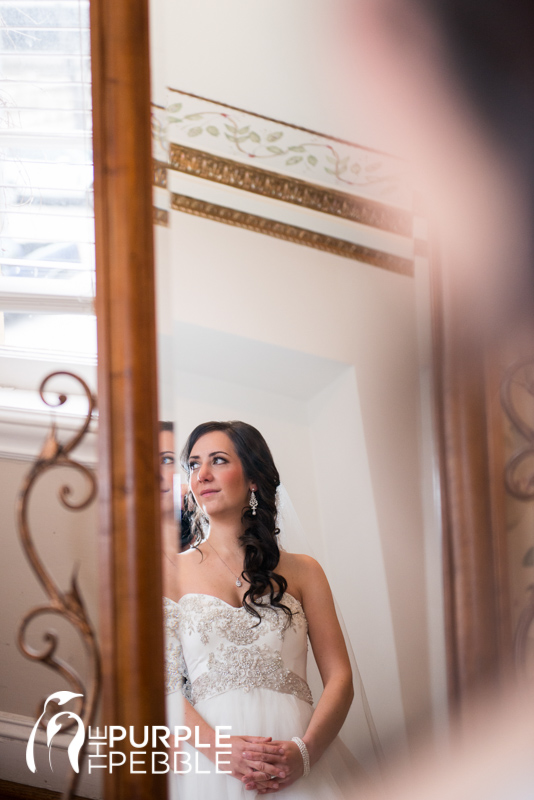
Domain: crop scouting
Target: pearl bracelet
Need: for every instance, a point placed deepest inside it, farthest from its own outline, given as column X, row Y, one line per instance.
column 304, row 753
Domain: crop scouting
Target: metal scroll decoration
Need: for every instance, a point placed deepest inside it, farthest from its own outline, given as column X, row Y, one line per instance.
column 519, row 477
column 67, row 604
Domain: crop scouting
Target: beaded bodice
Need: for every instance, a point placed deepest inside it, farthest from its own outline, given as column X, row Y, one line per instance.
column 213, row 647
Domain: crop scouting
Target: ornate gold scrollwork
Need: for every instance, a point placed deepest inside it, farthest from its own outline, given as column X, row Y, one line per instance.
column 67, row 604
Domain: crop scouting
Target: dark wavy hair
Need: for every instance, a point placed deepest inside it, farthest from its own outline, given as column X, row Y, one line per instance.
column 259, row 541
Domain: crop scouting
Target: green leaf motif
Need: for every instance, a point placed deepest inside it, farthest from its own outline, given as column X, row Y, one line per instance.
column 312, row 160
column 293, row 160
column 213, row 130
column 297, row 148
column 195, row 131
column 253, row 136
column 174, row 108
column 330, row 171
column 193, row 116
column 236, row 139
column 355, row 168
column 241, row 131
column 175, row 119
column 273, row 137
column 231, row 128
column 276, row 150
column 528, row 558
column 331, row 160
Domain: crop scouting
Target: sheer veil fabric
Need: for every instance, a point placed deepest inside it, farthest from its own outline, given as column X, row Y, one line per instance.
column 359, row 730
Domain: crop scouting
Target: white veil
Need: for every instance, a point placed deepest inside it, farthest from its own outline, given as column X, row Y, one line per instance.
column 359, row 731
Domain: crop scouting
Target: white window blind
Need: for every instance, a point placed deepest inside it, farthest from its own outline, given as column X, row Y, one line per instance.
column 46, row 195
column 47, row 320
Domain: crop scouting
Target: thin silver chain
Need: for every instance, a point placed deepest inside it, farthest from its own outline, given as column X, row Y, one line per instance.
column 237, row 581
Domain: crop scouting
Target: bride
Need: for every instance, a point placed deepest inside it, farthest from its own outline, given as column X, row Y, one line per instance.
column 238, row 614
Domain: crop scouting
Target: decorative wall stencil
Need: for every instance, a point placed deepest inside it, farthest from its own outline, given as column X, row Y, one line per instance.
column 283, row 148
column 207, row 144
column 67, row 604
column 291, row 233
column 160, row 143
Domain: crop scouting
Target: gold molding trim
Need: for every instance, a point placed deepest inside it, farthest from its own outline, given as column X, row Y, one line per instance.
column 290, row 190
column 291, row 233
column 160, row 216
column 159, row 174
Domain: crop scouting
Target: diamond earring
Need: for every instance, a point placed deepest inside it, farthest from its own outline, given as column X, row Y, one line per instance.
column 253, row 502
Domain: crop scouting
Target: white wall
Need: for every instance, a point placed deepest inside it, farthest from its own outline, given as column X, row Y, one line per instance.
column 282, row 60
column 353, row 550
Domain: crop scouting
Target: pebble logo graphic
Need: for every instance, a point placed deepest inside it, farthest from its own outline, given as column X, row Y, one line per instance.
column 53, row 727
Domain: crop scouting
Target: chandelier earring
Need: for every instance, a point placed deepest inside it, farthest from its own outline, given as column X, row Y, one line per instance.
column 253, row 502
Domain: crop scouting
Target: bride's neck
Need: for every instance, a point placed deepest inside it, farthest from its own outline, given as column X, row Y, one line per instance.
column 225, row 534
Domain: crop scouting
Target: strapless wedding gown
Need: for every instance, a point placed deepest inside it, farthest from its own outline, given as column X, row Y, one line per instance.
column 251, row 678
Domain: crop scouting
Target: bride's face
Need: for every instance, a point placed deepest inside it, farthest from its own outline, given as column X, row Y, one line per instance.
column 216, row 475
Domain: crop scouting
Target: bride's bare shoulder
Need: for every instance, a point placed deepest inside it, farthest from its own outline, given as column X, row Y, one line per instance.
column 177, row 570
column 301, row 573
column 298, row 565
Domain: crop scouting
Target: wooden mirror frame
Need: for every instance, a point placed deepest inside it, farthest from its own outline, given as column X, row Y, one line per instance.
column 130, row 566
column 471, row 459
column 470, row 437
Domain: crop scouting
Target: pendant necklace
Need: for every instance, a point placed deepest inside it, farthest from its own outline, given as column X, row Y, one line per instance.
column 237, row 581
column 169, row 559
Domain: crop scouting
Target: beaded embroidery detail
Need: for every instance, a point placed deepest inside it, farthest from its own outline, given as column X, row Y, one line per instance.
column 248, row 668
column 176, row 674
column 236, row 624
column 241, row 664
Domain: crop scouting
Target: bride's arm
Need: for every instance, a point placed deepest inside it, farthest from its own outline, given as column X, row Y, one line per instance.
column 332, row 659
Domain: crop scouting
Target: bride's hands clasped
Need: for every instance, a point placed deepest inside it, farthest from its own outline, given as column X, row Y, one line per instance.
column 254, row 755
column 293, row 769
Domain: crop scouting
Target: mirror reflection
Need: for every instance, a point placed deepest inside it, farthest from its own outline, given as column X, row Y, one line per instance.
column 289, row 298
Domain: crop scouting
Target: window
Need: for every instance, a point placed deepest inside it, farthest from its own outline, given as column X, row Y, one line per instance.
column 46, row 195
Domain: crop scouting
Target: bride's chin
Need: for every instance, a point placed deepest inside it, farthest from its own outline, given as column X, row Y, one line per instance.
column 213, row 511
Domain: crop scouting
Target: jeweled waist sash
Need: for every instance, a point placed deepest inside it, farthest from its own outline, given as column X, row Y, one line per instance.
column 246, row 668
